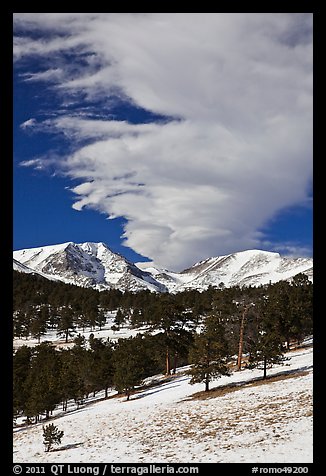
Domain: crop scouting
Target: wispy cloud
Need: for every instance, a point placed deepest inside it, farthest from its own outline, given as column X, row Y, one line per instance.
column 291, row 249
column 239, row 87
column 29, row 124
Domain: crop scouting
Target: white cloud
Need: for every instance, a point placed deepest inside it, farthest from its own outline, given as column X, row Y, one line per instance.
column 290, row 249
column 240, row 89
column 30, row 123
column 52, row 74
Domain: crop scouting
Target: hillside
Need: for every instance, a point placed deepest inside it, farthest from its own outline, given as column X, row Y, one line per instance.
column 245, row 268
column 253, row 421
column 87, row 264
column 95, row 265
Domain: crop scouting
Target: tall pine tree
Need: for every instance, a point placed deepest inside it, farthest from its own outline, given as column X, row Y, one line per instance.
column 128, row 360
column 21, row 369
column 43, row 381
column 66, row 325
column 209, row 353
column 266, row 346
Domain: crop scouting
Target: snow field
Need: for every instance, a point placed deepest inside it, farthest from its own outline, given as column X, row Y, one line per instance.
column 106, row 332
column 268, row 422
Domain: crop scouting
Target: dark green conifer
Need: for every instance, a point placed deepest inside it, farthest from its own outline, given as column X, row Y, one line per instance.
column 66, row 325
column 266, row 347
column 43, row 382
column 128, row 361
column 51, row 436
column 209, row 353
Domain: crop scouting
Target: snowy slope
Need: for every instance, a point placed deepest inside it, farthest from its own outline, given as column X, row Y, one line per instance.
column 94, row 264
column 17, row 266
column 266, row 423
column 251, row 267
column 106, row 332
column 21, row 268
column 87, row 264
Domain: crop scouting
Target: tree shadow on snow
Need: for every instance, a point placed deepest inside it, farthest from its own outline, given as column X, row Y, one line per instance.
column 233, row 386
column 68, row 447
column 160, row 389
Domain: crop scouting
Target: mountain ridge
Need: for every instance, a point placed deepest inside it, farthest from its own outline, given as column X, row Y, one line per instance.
column 94, row 265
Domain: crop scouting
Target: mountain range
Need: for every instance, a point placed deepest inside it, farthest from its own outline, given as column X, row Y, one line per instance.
column 95, row 265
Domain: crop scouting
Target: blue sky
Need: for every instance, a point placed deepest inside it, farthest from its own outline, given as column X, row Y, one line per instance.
column 169, row 136
column 43, row 212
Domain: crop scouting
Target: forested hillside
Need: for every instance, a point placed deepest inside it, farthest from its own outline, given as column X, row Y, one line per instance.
column 254, row 325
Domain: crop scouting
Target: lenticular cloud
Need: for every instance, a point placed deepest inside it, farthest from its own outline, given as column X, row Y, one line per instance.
column 234, row 149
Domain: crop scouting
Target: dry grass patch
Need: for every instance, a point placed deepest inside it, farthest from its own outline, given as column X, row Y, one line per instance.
column 234, row 387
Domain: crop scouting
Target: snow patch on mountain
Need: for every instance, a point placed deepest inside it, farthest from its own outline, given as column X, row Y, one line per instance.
column 95, row 265
column 87, row 264
column 245, row 268
column 21, row 268
column 17, row 266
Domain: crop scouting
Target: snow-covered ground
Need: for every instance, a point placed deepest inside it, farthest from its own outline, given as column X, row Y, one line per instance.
column 124, row 332
column 268, row 422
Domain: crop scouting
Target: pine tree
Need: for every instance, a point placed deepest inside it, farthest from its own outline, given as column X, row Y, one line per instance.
column 91, row 316
column 119, row 319
column 137, row 318
column 85, row 367
column 101, row 318
column 102, row 364
column 27, row 319
column 38, row 326
column 266, row 347
column 70, row 381
column 51, row 436
column 54, row 317
column 20, row 324
column 167, row 316
column 43, row 382
column 128, row 364
column 209, row 353
column 21, row 369
column 301, row 299
column 66, row 325
column 278, row 305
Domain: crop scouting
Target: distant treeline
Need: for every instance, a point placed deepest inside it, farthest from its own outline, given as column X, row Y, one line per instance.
column 40, row 304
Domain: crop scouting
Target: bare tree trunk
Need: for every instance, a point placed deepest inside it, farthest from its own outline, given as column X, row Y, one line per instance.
column 242, row 325
column 265, row 367
column 175, row 362
column 168, row 367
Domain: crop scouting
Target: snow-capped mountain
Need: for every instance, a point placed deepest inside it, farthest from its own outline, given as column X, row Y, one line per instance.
column 95, row 265
column 87, row 264
column 17, row 266
column 245, row 268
